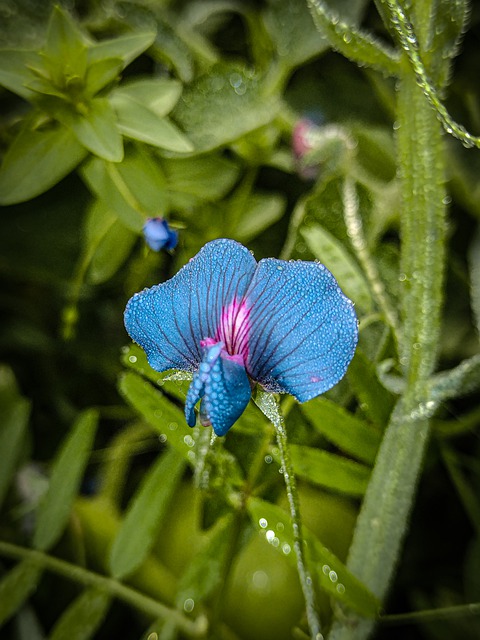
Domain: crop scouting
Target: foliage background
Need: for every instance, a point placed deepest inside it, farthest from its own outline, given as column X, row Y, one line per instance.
column 78, row 414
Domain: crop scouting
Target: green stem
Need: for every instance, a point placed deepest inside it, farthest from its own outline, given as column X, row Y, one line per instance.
column 427, row 615
column 152, row 608
column 270, row 407
column 409, row 42
column 354, row 225
column 383, row 519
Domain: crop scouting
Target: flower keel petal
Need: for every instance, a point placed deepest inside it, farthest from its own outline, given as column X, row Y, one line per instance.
column 223, row 386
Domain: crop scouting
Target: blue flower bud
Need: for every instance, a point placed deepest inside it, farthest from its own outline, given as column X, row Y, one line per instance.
column 158, row 234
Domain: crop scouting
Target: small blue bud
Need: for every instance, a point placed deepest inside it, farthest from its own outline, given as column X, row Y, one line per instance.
column 158, row 234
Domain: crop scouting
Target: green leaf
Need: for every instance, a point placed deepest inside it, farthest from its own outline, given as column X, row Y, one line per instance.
column 14, row 415
column 189, row 180
column 353, row 43
column 274, row 523
column 338, row 260
column 349, row 433
column 15, row 72
column 36, row 161
column 205, row 573
column 159, row 95
column 222, row 106
column 107, row 243
column 96, row 129
column 375, row 401
column 16, row 586
column 133, row 189
column 100, row 74
column 83, row 617
column 137, row 121
column 261, row 211
column 65, row 51
column 149, row 506
column 160, row 413
column 474, row 267
column 127, row 48
column 66, row 476
column 329, row 470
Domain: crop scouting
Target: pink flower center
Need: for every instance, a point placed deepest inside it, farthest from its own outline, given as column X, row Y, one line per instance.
column 233, row 330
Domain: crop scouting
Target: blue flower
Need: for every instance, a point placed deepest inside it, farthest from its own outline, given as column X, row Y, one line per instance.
column 158, row 234
column 234, row 322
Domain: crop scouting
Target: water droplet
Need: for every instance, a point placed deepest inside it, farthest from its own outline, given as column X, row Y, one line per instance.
column 333, row 576
column 447, row 200
column 189, row 441
column 286, row 548
column 173, row 426
column 268, row 459
column 280, row 527
column 340, row 588
column 153, row 636
column 263, row 523
column 132, row 359
column 261, row 581
column 402, row 277
column 158, row 413
column 270, row 535
column 326, row 569
column 188, row 605
column 163, row 438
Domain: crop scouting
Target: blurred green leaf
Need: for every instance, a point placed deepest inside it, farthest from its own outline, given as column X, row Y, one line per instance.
column 260, row 212
column 190, row 179
column 137, row 121
column 36, row 161
column 27, row 624
column 349, row 433
column 83, row 617
column 127, row 48
column 14, row 415
column 65, row 50
column 65, row 478
column 149, row 507
column 222, row 106
column 107, row 243
column 474, row 267
column 160, row 413
column 133, row 189
column 273, row 522
column 16, row 586
column 101, row 73
column 338, row 260
column 15, row 72
column 159, row 95
column 375, row 401
column 205, row 573
column 329, row 470
column 96, row 129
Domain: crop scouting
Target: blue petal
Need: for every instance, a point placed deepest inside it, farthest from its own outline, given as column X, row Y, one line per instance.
column 223, row 386
column 303, row 329
column 169, row 320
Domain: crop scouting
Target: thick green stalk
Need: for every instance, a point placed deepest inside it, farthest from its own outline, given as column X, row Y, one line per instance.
column 383, row 520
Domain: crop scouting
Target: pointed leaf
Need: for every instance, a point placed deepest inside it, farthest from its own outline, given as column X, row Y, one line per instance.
column 148, row 507
column 160, row 413
column 16, row 586
column 134, row 189
column 127, row 48
column 349, row 433
column 336, row 258
column 159, row 95
column 101, row 73
column 108, row 242
column 474, row 267
column 15, row 72
column 66, row 476
column 137, row 121
column 457, row 382
column 65, row 49
column 83, row 617
column 13, row 427
column 36, row 161
column 96, row 129
column 273, row 522
column 329, row 470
